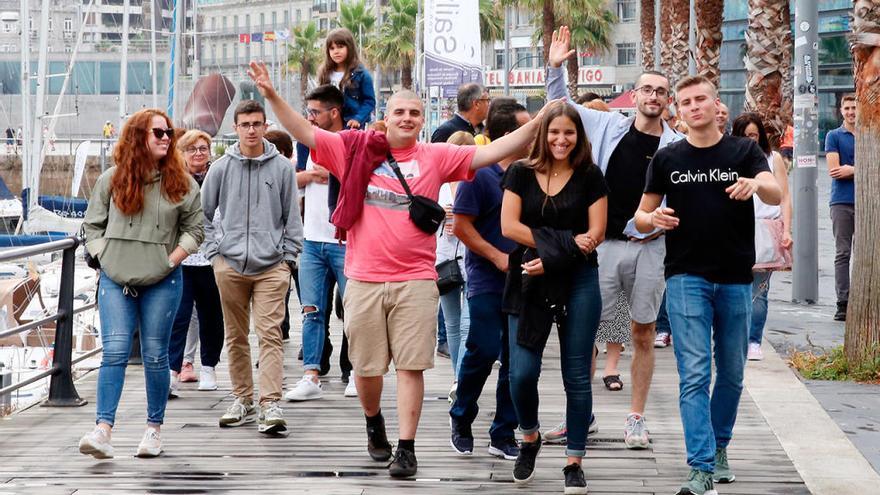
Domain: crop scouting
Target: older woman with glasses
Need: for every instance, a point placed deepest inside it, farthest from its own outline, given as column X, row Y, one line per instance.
column 199, row 289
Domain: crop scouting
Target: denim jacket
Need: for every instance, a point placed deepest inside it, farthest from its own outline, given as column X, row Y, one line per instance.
column 360, row 99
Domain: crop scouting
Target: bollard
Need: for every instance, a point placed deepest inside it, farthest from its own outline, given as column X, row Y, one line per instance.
column 5, row 399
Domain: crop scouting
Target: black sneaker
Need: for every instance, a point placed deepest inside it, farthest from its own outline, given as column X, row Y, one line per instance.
column 299, row 355
column 575, row 484
column 524, row 469
column 345, row 377
column 506, row 449
column 377, row 443
column 461, row 439
column 404, row 464
column 840, row 315
column 443, row 350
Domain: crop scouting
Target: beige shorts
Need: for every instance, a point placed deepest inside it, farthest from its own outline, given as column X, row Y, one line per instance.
column 390, row 320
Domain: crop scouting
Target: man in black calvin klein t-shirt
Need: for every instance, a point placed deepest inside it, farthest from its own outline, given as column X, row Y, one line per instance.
column 708, row 180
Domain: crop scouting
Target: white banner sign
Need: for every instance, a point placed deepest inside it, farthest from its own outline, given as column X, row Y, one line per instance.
column 452, row 42
column 535, row 77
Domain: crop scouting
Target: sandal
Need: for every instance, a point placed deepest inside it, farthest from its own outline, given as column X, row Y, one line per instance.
column 613, row 383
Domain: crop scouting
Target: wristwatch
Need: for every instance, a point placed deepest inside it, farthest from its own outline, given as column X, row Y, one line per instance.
column 170, row 263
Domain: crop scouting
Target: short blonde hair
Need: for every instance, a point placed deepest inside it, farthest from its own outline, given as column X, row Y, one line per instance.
column 190, row 137
column 462, row 138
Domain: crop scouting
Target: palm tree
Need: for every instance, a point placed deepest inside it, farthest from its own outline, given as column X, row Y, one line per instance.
column 396, row 46
column 304, row 54
column 591, row 27
column 709, row 14
column 648, row 21
column 674, row 49
column 491, row 20
column 785, row 68
column 358, row 18
column 862, row 337
column 545, row 21
column 765, row 47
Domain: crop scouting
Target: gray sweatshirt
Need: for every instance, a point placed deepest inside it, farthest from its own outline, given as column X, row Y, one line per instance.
column 258, row 203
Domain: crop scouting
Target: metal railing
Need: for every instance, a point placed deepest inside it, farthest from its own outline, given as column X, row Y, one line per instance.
column 62, row 392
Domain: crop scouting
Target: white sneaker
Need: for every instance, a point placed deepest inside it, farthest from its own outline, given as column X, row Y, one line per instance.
column 351, row 389
column 207, row 378
column 305, row 389
column 271, row 419
column 151, row 444
column 172, row 391
column 755, row 352
column 453, row 392
column 96, row 443
column 635, row 432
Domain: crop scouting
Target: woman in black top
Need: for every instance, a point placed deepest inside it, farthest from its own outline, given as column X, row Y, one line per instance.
column 555, row 208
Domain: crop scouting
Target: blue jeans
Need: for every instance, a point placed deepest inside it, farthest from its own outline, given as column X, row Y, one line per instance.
column 458, row 322
column 150, row 308
column 576, row 339
column 695, row 307
column 319, row 264
column 662, row 325
column 760, row 287
column 484, row 343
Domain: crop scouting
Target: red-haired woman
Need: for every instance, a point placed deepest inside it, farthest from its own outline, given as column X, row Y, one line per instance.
column 143, row 219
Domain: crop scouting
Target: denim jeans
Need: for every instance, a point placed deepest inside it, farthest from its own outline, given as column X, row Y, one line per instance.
column 317, row 261
column 760, row 287
column 150, row 308
column 662, row 325
column 696, row 307
column 200, row 289
column 484, row 343
column 576, row 339
column 458, row 321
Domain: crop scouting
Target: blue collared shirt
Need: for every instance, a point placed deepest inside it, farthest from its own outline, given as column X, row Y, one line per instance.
column 842, row 142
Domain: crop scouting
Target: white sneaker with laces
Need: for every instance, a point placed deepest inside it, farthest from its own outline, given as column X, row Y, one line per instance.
column 207, row 378
column 96, row 443
column 351, row 389
column 305, row 389
column 662, row 340
column 635, row 433
column 151, row 444
column 271, row 419
column 755, row 352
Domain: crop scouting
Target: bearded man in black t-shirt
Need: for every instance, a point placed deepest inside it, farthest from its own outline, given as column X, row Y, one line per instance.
column 708, row 180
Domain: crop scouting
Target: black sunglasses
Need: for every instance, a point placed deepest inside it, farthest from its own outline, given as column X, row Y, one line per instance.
column 160, row 132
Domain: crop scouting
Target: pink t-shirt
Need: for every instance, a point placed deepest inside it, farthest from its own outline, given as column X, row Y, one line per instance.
column 384, row 245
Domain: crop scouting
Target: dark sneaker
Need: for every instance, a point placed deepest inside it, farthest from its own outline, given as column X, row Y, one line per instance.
column 840, row 315
column 443, row 350
column 404, row 464
column 698, row 483
column 461, row 439
column 506, row 449
column 722, row 473
column 575, row 484
column 524, row 469
column 377, row 443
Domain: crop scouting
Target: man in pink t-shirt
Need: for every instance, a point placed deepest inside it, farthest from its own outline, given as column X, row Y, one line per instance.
column 391, row 298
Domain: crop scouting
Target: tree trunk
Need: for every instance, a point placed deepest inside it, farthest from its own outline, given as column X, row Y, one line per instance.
column 862, row 338
column 765, row 44
column 572, row 67
column 666, row 37
column 710, row 14
column 785, row 68
column 549, row 24
column 406, row 79
column 304, row 72
column 679, row 26
column 647, row 19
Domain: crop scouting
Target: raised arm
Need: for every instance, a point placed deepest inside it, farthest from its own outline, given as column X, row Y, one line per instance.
column 509, row 144
column 560, row 50
column 295, row 123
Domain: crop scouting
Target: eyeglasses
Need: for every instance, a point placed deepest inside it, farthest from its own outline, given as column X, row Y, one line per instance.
column 197, row 149
column 251, row 125
column 649, row 90
column 162, row 132
column 314, row 112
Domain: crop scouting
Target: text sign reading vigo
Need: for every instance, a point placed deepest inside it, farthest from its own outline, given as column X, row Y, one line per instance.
column 535, row 77
column 452, row 42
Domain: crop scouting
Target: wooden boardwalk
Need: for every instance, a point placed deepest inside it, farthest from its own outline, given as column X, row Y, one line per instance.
column 326, row 450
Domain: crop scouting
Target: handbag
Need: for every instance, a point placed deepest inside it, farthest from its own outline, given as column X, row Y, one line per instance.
column 770, row 256
column 426, row 213
column 449, row 276
column 91, row 261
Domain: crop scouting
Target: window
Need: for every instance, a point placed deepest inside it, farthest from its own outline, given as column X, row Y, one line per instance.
column 523, row 58
column 499, row 59
column 213, row 24
column 590, row 58
column 68, row 25
column 7, row 27
column 262, row 21
column 298, row 16
column 51, row 24
column 523, row 17
column 286, row 19
column 626, row 54
column 234, row 24
column 247, row 22
column 626, row 10
column 225, row 54
column 274, row 19
column 223, row 21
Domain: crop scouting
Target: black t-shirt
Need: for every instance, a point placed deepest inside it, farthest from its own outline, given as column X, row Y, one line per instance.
column 625, row 176
column 567, row 210
column 715, row 237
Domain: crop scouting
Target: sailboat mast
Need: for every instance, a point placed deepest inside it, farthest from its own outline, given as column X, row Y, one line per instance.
column 196, row 69
column 26, row 94
column 153, row 59
column 123, row 70
column 37, row 135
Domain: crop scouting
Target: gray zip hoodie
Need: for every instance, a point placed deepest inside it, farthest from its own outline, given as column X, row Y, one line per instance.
column 258, row 203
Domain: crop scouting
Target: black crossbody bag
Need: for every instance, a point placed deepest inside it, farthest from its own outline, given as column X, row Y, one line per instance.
column 449, row 276
column 426, row 213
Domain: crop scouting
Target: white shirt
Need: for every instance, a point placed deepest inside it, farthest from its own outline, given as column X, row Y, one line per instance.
column 336, row 78
column 316, row 223
column 449, row 246
column 762, row 209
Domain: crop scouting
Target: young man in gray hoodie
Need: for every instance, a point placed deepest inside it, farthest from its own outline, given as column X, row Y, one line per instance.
column 253, row 249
